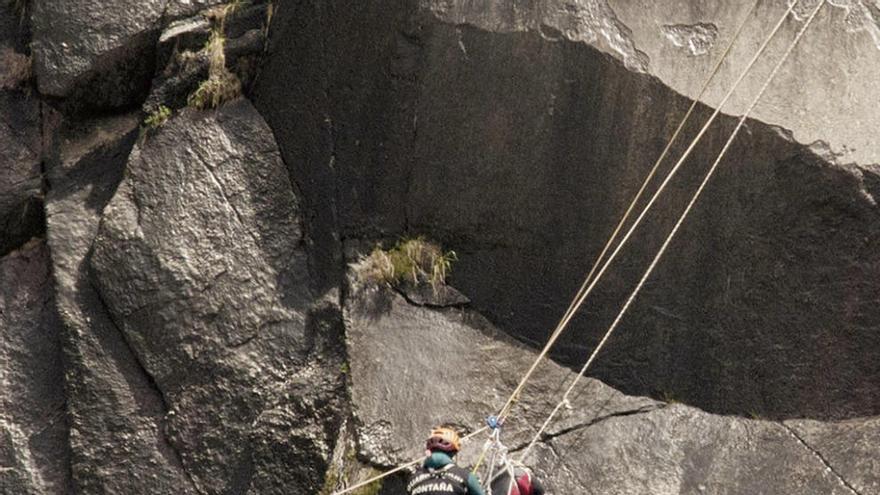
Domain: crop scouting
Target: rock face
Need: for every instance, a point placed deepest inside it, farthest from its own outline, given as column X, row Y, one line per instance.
column 602, row 443
column 847, row 448
column 116, row 414
column 101, row 53
column 34, row 453
column 21, row 212
column 681, row 450
column 195, row 322
column 518, row 143
column 77, row 44
column 452, row 366
column 199, row 261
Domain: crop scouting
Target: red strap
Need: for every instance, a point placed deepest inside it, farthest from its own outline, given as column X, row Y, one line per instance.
column 524, row 484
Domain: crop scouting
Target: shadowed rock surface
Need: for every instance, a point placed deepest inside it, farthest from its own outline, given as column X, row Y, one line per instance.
column 34, row 454
column 520, row 151
column 199, row 262
column 21, row 211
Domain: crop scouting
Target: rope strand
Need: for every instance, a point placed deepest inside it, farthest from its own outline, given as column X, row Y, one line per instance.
column 591, row 280
column 675, row 229
column 663, row 185
column 573, row 306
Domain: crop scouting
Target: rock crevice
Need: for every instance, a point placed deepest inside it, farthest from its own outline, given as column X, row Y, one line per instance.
column 821, row 458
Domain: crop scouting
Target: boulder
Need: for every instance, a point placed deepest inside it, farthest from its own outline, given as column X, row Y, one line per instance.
column 116, row 413
column 412, row 367
column 100, row 54
column 200, row 261
column 34, row 453
column 509, row 134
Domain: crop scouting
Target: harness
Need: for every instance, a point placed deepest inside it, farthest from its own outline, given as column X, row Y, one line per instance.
column 498, row 463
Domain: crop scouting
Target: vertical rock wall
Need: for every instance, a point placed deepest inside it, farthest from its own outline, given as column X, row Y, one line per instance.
column 116, row 414
column 518, row 143
column 198, row 260
column 34, row 452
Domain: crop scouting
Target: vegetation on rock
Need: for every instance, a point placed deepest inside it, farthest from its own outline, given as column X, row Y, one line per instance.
column 413, row 260
column 157, row 118
column 221, row 85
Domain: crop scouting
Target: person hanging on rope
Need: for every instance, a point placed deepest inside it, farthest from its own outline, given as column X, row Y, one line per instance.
column 438, row 473
column 524, row 483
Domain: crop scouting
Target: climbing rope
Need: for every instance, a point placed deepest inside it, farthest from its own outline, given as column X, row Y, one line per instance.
column 591, row 280
column 498, row 456
column 586, row 285
column 678, row 224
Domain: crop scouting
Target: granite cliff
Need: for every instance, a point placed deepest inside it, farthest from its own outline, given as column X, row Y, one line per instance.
column 189, row 190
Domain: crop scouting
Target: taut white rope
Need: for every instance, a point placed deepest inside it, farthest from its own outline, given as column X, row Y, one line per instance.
column 678, row 224
column 574, row 305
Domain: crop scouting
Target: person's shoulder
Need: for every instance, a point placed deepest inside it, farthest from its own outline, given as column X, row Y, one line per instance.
column 458, row 470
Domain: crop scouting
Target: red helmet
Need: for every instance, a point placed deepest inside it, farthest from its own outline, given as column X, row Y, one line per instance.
column 445, row 439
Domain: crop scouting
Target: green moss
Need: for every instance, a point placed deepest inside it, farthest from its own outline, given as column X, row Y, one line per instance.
column 157, row 118
column 334, row 475
column 331, row 479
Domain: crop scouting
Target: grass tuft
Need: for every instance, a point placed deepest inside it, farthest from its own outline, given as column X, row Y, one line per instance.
column 413, row 260
column 215, row 91
column 222, row 85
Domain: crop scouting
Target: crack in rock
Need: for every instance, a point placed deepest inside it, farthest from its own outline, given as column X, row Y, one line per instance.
column 821, row 458
column 151, row 381
column 546, row 437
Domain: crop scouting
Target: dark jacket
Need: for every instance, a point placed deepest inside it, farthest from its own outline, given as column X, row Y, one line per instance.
column 438, row 475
